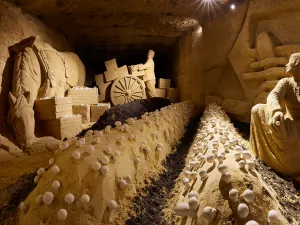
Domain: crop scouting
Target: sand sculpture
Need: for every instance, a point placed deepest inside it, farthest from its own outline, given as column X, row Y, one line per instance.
column 93, row 180
column 149, row 75
column 120, row 85
column 40, row 72
column 221, row 166
column 275, row 126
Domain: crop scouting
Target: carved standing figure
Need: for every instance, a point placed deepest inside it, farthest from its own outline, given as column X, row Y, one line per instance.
column 275, row 127
column 149, row 77
column 39, row 72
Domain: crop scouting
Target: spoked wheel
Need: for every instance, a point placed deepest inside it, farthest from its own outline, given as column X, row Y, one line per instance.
column 126, row 89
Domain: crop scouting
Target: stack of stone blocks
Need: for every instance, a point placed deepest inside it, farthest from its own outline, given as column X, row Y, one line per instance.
column 164, row 90
column 104, row 81
column 62, row 117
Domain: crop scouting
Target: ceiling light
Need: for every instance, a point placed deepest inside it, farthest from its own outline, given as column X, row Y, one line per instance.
column 232, row 7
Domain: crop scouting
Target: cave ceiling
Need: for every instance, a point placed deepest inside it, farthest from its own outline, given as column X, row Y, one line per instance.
column 118, row 25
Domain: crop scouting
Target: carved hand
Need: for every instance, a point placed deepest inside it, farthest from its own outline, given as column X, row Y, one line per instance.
column 277, row 117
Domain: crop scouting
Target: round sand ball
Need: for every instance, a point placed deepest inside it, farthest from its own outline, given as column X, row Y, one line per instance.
column 137, row 161
column 62, row 214
column 97, row 133
column 193, row 203
column 234, row 195
column 277, row 123
column 210, row 158
column 227, row 177
column 243, row 210
column 193, row 194
column 182, row 209
column 130, row 121
column 51, row 161
column 90, row 149
column 248, row 196
column 107, row 150
column 48, row 198
column 209, row 213
column 37, row 179
column 55, row 184
column 112, row 205
column 223, row 169
column 252, row 222
column 23, row 206
column 65, row 145
column 203, row 158
column 69, row 198
column 76, row 155
column 215, row 152
column 118, row 123
column 122, row 184
column 104, row 160
column 188, row 173
column 128, row 179
column 89, row 133
column 97, row 140
column 242, row 164
column 186, row 182
column 82, row 140
column 79, row 144
column 220, row 158
column 96, row 166
column 104, row 170
column 85, row 199
column 237, row 156
column 246, row 155
column 250, row 164
column 40, row 171
column 39, row 199
column 273, row 217
column 55, row 169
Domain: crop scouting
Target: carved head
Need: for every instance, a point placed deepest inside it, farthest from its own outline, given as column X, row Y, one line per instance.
column 293, row 66
column 151, row 54
column 21, row 118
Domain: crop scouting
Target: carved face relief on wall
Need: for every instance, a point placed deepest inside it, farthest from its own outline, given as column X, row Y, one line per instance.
column 21, row 118
column 293, row 67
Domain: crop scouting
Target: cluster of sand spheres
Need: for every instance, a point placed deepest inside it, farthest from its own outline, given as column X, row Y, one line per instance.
column 92, row 180
column 219, row 184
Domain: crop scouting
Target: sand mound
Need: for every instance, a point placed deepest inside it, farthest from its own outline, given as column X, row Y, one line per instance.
column 129, row 154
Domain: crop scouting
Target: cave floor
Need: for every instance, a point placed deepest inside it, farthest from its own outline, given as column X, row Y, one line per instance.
column 151, row 204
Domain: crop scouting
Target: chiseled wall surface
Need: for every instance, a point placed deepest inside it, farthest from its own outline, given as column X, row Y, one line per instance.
column 16, row 25
column 202, row 66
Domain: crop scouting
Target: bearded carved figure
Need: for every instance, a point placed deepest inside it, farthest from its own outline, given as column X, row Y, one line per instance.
column 275, row 126
column 39, row 72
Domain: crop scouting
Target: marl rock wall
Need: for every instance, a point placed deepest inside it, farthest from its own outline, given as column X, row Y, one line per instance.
column 202, row 67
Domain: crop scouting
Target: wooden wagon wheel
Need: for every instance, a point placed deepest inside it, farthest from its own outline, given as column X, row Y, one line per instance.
column 126, row 89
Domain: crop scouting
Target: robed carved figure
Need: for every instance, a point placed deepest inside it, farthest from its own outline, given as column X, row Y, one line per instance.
column 275, row 126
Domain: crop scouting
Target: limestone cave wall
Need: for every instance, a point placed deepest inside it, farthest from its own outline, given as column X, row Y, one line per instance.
column 202, row 67
column 15, row 25
column 238, row 58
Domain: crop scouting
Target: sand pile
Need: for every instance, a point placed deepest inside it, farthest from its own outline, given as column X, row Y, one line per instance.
column 219, row 184
column 93, row 180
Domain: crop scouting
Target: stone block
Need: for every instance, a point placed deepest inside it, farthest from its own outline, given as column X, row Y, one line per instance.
column 84, row 111
column 84, row 95
column 102, row 85
column 265, row 46
column 164, row 83
column 111, row 75
column 98, row 110
column 122, row 71
column 161, row 92
column 173, row 94
column 111, row 65
column 53, row 108
column 64, row 127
